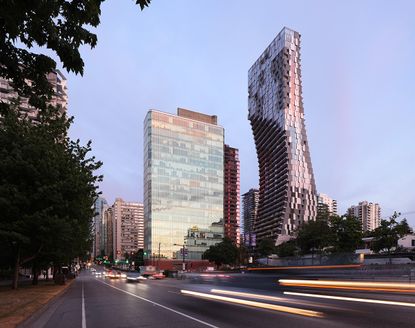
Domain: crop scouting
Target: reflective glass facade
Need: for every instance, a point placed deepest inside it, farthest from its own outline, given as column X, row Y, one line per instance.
column 183, row 179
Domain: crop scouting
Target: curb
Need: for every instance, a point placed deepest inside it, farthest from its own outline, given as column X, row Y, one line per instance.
column 26, row 323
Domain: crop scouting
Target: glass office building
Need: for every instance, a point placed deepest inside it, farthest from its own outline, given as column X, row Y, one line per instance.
column 183, row 178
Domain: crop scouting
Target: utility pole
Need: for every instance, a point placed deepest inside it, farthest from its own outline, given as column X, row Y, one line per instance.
column 184, row 263
column 183, row 256
column 158, row 262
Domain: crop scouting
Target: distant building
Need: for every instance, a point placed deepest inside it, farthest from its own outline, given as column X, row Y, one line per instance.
column 97, row 226
column 407, row 242
column 326, row 206
column 198, row 240
column 250, row 211
column 128, row 227
column 59, row 97
column 367, row 213
column 287, row 191
column 108, row 235
column 183, row 178
column 231, row 214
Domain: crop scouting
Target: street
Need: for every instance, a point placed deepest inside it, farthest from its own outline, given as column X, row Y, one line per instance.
column 220, row 300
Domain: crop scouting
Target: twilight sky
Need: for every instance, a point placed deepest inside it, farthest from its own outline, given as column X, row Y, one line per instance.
column 358, row 73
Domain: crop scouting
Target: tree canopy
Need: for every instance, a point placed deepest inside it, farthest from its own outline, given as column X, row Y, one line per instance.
column 47, row 190
column 226, row 252
column 61, row 26
column 386, row 236
column 266, row 247
column 314, row 236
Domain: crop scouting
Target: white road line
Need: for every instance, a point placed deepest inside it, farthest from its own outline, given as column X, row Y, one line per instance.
column 351, row 299
column 83, row 307
column 160, row 305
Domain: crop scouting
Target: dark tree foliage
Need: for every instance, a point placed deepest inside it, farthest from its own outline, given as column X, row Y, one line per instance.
column 59, row 25
column 289, row 248
column 314, row 236
column 386, row 236
column 47, row 190
column 346, row 233
column 226, row 252
column 266, row 247
column 137, row 258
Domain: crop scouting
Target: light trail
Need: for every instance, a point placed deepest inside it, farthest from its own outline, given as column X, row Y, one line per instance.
column 352, row 299
column 267, row 298
column 342, row 266
column 249, row 295
column 280, row 308
column 357, row 285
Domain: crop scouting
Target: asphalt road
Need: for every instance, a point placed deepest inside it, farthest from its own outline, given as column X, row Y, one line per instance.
column 101, row 302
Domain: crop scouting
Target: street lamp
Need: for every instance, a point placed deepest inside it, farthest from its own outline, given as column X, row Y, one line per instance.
column 183, row 263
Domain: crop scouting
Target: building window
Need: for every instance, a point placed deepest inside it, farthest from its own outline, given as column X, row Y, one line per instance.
column 413, row 242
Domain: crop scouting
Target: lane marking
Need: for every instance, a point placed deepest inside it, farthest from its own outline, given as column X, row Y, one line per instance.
column 279, row 308
column 352, row 299
column 83, row 307
column 160, row 305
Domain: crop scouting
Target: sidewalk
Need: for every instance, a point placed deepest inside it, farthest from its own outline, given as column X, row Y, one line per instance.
column 18, row 305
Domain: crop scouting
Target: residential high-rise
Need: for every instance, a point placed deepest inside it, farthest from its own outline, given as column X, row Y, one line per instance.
column 287, row 191
column 326, row 206
column 59, row 97
column 367, row 213
column 250, row 210
column 127, row 227
column 97, row 226
column 108, row 234
column 231, row 194
column 183, row 178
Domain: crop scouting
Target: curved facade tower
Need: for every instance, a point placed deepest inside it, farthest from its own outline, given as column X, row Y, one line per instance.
column 287, row 191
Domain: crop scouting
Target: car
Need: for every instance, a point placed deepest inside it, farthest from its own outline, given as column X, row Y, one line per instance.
column 113, row 274
column 135, row 277
column 93, row 270
column 159, row 276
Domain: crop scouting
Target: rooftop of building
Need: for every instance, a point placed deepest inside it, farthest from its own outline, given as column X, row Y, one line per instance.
column 211, row 119
column 191, row 115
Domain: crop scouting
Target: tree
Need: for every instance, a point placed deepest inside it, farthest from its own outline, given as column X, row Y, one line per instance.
column 314, row 236
column 346, row 233
column 47, row 190
column 266, row 247
column 137, row 257
column 289, row 248
column 386, row 236
column 58, row 25
column 226, row 252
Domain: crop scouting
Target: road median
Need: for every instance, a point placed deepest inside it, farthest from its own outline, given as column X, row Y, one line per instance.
column 16, row 306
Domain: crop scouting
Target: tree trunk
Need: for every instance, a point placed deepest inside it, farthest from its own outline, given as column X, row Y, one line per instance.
column 16, row 269
column 35, row 273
